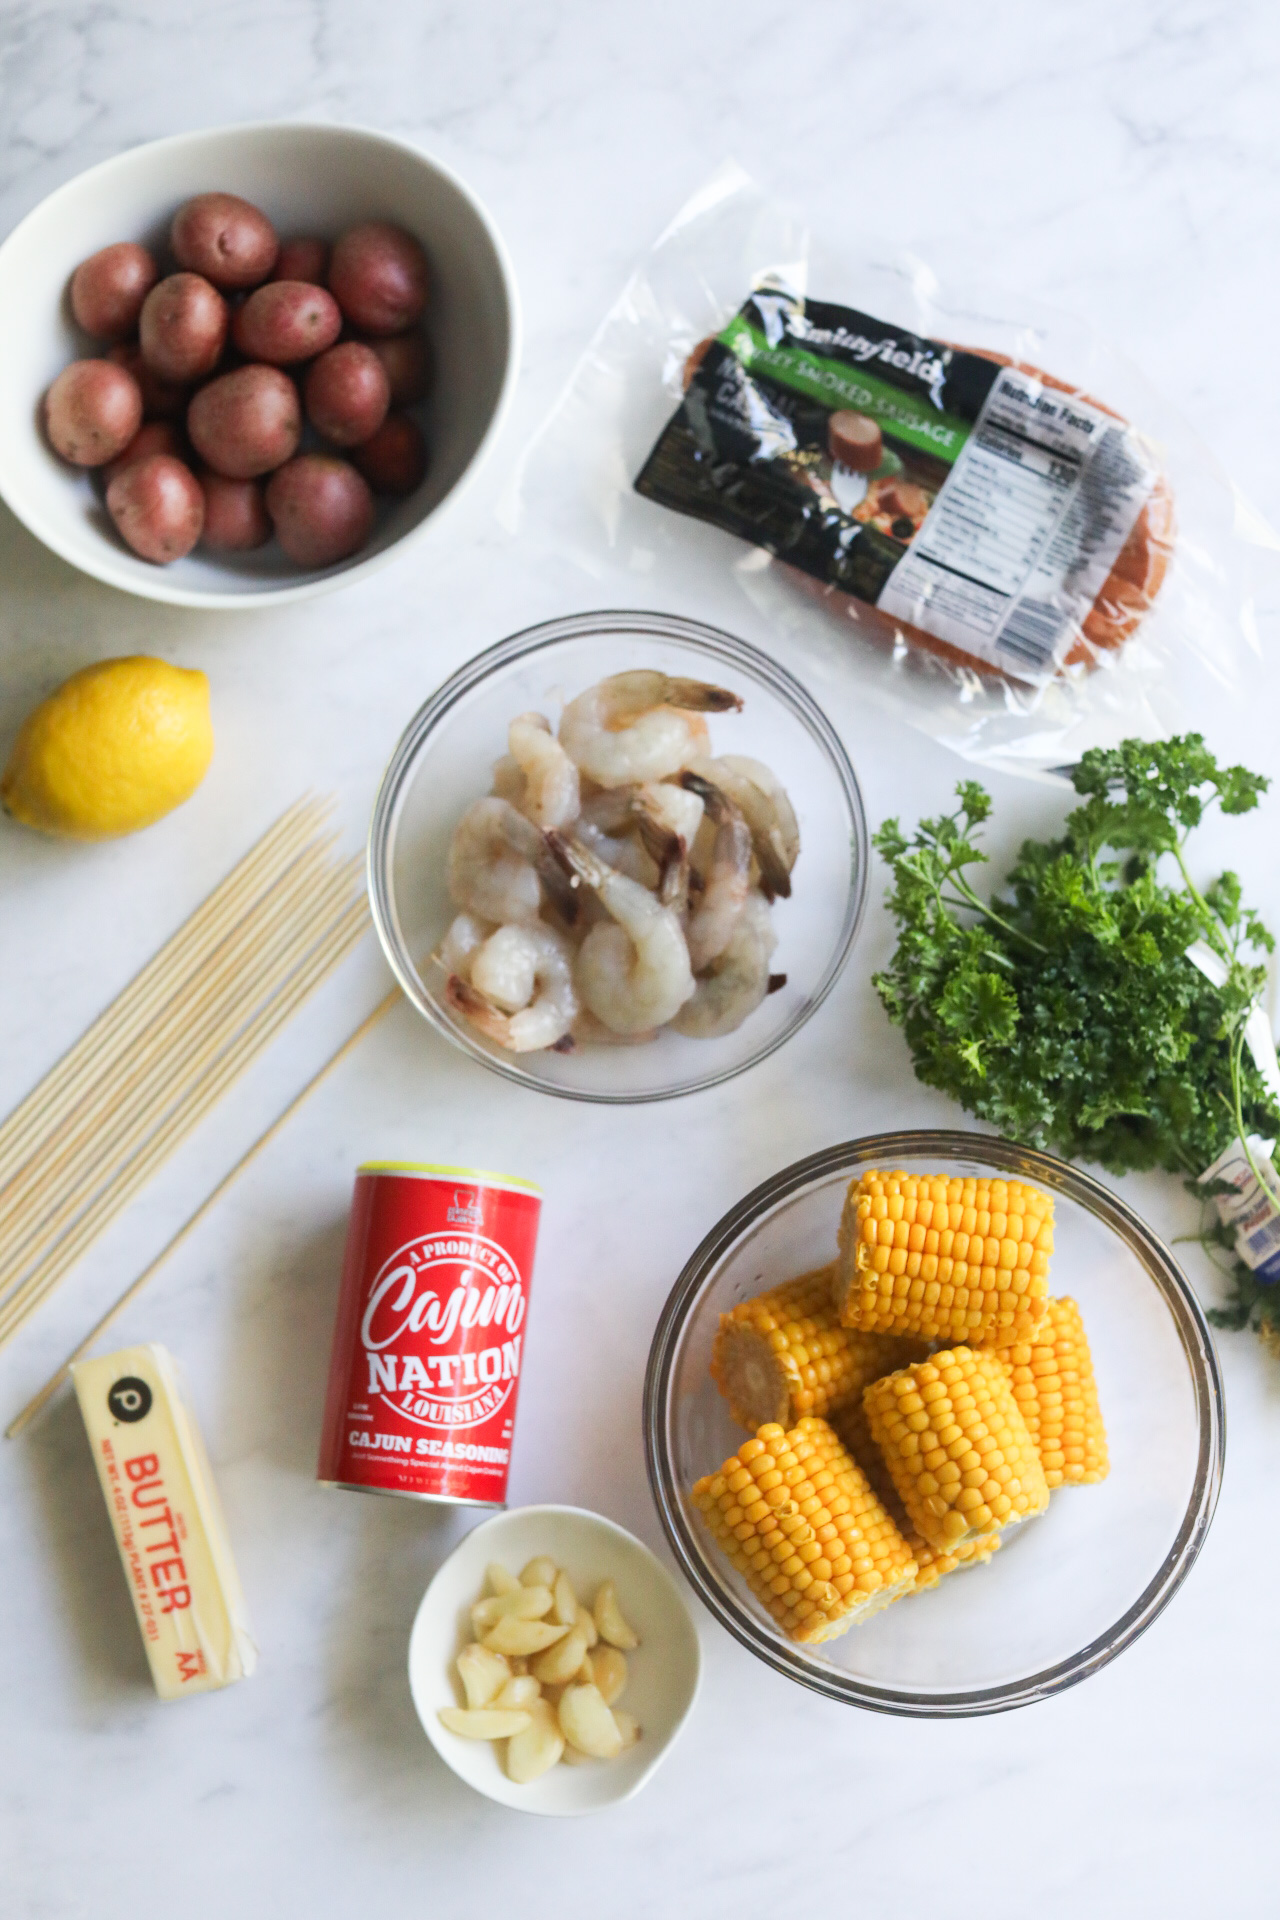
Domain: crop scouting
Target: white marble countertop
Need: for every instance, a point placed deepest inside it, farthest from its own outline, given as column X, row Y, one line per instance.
column 1122, row 160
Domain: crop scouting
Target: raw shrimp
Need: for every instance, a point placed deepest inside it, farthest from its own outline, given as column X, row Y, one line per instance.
column 675, row 809
column 639, row 726
column 726, row 881
column 521, row 992
column 508, row 780
column 633, row 969
column 550, row 797
column 662, row 818
column 495, row 859
column 762, row 801
column 465, row 936
column 624, row 853
column 736, row 981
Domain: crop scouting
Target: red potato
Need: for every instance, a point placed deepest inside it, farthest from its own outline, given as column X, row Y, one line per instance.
column 161, row 399
column 229, row 240
column 321, row 508
column 158, row 507
column 92, row 411
column 245, row 423
column 183, row 327
column 157, row 436
column 303, row 259
column 286, row 321
column 108, row 289
column 347, row 394
column 235, row 514
column 394, row 459
column 409, row 365
column 378, row 276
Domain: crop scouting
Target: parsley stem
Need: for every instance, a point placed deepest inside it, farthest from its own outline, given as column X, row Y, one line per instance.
column 1208, row 918
column 1237, row 1054
column 979, row 906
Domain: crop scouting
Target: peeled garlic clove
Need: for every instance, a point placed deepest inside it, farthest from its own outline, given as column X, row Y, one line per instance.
column 628, row 1727
column 609, row 1671
column 609, row 1618
column 566, row 1600
column 539, row 1573
column 587, row 1723
column 562, row 1661
column 533, row 1752
column 523, row 1637
column 485, row 1724
column 499, row 1580
column 519, row 1603
column 588, row 1624
column 520, row 1692
column 572, row 1758
column 483, row 1674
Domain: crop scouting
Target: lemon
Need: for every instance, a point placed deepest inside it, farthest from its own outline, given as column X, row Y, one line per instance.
column 117, row 746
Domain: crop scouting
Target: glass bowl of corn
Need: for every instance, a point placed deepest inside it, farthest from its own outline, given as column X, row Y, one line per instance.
column 934, row 1423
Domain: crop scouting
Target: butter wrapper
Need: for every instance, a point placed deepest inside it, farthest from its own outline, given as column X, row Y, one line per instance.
column 167, row 1519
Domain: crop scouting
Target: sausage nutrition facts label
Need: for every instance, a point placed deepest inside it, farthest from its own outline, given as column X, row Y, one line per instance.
column 1017, row 545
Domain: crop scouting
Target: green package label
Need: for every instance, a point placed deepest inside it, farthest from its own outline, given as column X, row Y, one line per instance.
column 834, row 383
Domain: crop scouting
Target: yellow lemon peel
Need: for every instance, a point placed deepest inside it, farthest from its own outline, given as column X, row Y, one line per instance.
column 114, row 748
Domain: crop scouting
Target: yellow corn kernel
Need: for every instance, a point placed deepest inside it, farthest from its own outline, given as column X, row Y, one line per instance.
column 802, row 1526
column 957, row 1447
column 785, row 1354
column 852, row 1427
column 1051, row 1373
column 944, row 1259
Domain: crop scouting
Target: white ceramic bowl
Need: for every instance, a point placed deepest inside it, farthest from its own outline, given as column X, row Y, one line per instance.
column 663, row 1671
column 307, row 179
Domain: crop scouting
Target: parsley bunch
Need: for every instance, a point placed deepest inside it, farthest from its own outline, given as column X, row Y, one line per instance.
column 1064, row 1011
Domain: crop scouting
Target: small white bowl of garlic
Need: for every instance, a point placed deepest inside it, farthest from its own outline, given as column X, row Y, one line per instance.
column 573, row 1588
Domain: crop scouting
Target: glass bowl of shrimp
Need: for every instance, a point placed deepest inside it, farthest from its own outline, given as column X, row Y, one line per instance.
column 618, row 857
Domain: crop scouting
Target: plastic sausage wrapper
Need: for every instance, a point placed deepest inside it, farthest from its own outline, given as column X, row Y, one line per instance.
column 167, row 1520
column 980, row 512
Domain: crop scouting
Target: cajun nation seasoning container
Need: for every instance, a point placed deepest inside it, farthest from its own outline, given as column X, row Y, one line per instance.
column 430, row 1332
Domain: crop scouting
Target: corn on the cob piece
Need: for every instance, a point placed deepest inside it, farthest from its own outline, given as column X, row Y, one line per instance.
column 957, row 1446
column 944, row 1259
column 785, row 1354
column 801, row 1524
column 1053, row 1384
column 932, row 1562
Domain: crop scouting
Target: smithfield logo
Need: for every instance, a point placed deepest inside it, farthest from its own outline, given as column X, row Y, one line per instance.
column 465, row 1211
column 441, row 1330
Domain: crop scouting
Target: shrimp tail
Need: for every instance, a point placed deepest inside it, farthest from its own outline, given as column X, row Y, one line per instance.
column 475, row 1006
column 696, row 696
column 775, row 876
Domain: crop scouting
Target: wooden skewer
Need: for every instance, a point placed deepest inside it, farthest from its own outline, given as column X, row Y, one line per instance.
column 118, row 1025
column 222, row 989
column 41, row 1400
column 205, row 1091
column 127, row 1110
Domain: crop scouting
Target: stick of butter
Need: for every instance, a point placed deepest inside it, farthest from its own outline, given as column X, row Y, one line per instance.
column 168, row 1521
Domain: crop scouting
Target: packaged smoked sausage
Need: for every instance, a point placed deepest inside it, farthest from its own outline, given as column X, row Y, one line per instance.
column 986, row 510
column 955, row 504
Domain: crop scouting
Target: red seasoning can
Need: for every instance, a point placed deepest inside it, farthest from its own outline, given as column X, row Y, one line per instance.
column 425, row 1366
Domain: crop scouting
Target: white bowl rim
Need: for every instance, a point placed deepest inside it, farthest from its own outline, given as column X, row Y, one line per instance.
column 1185, row 1310
column 728, row 648
column 494, row 1524
column 146, row 588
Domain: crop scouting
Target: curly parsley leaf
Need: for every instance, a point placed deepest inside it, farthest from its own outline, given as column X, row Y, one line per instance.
column 1063, row 1009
